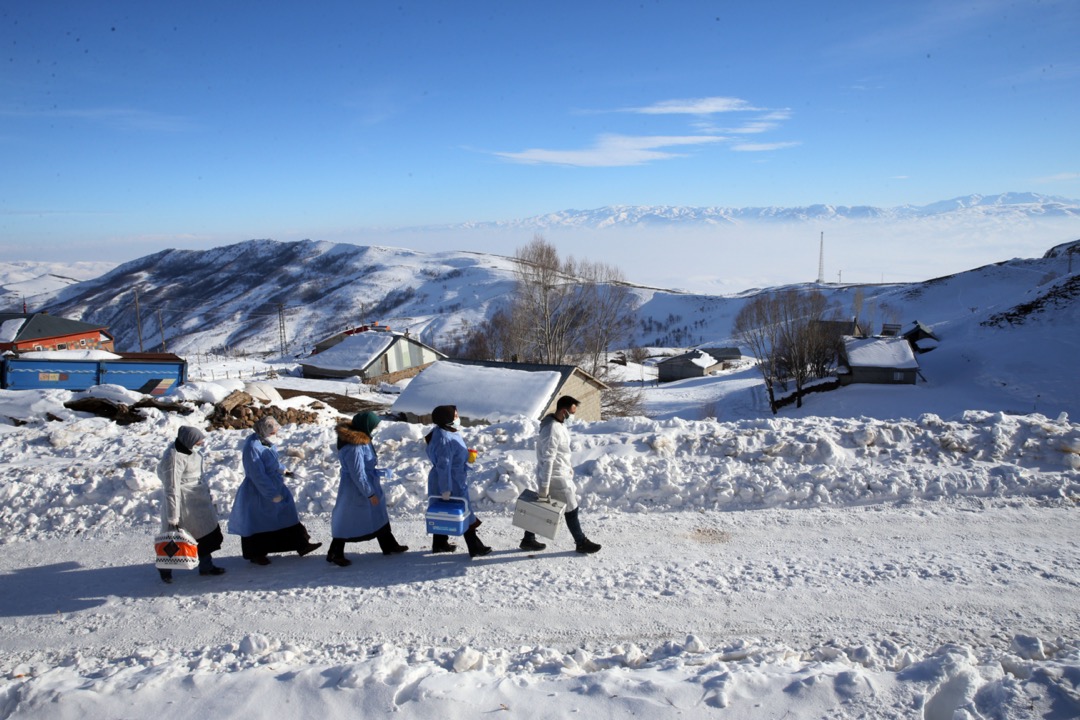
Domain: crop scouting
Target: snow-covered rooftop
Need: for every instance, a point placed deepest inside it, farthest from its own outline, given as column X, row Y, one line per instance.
column 881, row 352
column 479, row 392
column 703, row 359
column 354, row 352
column 70, row 355
column 9, row 329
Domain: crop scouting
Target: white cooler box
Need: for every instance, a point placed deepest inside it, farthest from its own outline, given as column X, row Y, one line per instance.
column 540, row 517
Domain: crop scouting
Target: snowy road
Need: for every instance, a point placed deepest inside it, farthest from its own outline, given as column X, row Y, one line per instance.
column 925, row 574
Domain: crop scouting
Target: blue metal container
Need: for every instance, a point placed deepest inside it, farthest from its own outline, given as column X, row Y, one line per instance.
column 147, row 373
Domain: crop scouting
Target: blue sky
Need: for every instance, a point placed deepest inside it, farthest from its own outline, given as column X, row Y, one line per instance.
column 126, row 127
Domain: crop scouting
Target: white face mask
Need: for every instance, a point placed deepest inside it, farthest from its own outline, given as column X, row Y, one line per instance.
column 456, row 423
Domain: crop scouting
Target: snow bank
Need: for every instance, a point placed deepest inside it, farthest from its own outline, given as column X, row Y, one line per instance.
column 626, row 464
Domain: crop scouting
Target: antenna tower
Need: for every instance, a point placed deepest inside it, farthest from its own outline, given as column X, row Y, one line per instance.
column 821, row 261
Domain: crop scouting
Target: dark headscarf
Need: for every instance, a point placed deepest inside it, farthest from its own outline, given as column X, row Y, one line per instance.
column 365, row 422
column 187, row 437
column 443, row 417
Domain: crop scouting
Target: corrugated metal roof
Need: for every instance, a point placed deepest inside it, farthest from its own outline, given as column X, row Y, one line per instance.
column 39, row 326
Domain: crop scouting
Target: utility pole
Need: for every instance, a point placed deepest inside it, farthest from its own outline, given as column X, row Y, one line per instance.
column 281, row 329
column 138, row 319
column 161, row 329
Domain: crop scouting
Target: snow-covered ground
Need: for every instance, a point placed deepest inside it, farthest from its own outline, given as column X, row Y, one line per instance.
column 822, row 563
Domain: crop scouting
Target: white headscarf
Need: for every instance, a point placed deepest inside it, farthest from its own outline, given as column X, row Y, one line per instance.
column 265, row 427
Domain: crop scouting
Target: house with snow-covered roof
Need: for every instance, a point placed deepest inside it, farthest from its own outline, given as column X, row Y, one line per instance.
column 696, row 363
column 374, row 353
column 489, row 391
column 921, row 337
column 38, row 332
column 888, row 360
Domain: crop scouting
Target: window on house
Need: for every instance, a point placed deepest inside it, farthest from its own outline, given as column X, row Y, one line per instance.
column 61, row 346
column 83, row 342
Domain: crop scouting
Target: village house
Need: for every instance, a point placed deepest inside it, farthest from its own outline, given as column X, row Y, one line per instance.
column 21, row 332
column 888, row 360
column 374, row 353
column 699, row 362
column 921, row 338
column 488, row 391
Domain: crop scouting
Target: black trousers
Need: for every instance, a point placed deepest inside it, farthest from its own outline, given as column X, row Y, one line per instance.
column 289, row 539
column 385, row 535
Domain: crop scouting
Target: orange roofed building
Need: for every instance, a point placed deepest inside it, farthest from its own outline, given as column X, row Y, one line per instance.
column 26, row 332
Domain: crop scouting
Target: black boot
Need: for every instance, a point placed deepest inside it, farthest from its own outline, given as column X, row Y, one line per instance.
column 336, row 553
column 529, row 542
column 387, row 543
column 582, row 543
column 441, row 544
column 166, row 575
column 308, row 548
column 207, row 566
column 476, row 548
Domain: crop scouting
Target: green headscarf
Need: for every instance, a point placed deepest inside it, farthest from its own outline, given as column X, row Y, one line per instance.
column 365, row 422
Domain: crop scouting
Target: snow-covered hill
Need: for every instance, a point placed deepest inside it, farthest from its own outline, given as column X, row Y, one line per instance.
column 236, row 297
column 27, row 281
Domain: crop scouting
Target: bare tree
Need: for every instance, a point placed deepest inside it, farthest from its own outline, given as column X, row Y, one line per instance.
column 545, row 299
column 799, row 320
column 497, row 337
column 607, row 308
column 755, row 327
column 562, row 311
column 785, row 331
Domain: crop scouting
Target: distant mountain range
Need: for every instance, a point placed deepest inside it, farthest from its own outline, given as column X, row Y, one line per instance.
column 1004, row 204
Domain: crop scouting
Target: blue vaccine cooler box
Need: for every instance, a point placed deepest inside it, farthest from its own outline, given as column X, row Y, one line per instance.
column 445, row 517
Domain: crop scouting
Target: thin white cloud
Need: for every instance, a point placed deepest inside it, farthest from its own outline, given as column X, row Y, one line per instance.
column 694, row 106
column 114, row 117
column 1059, row 177
column 612, row 151
column 765, row 123
column 932, row 25
column 763, row 147
column 615, row 150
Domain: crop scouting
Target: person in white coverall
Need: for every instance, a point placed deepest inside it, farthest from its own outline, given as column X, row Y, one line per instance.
column 186, row 501
column 555, row 474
